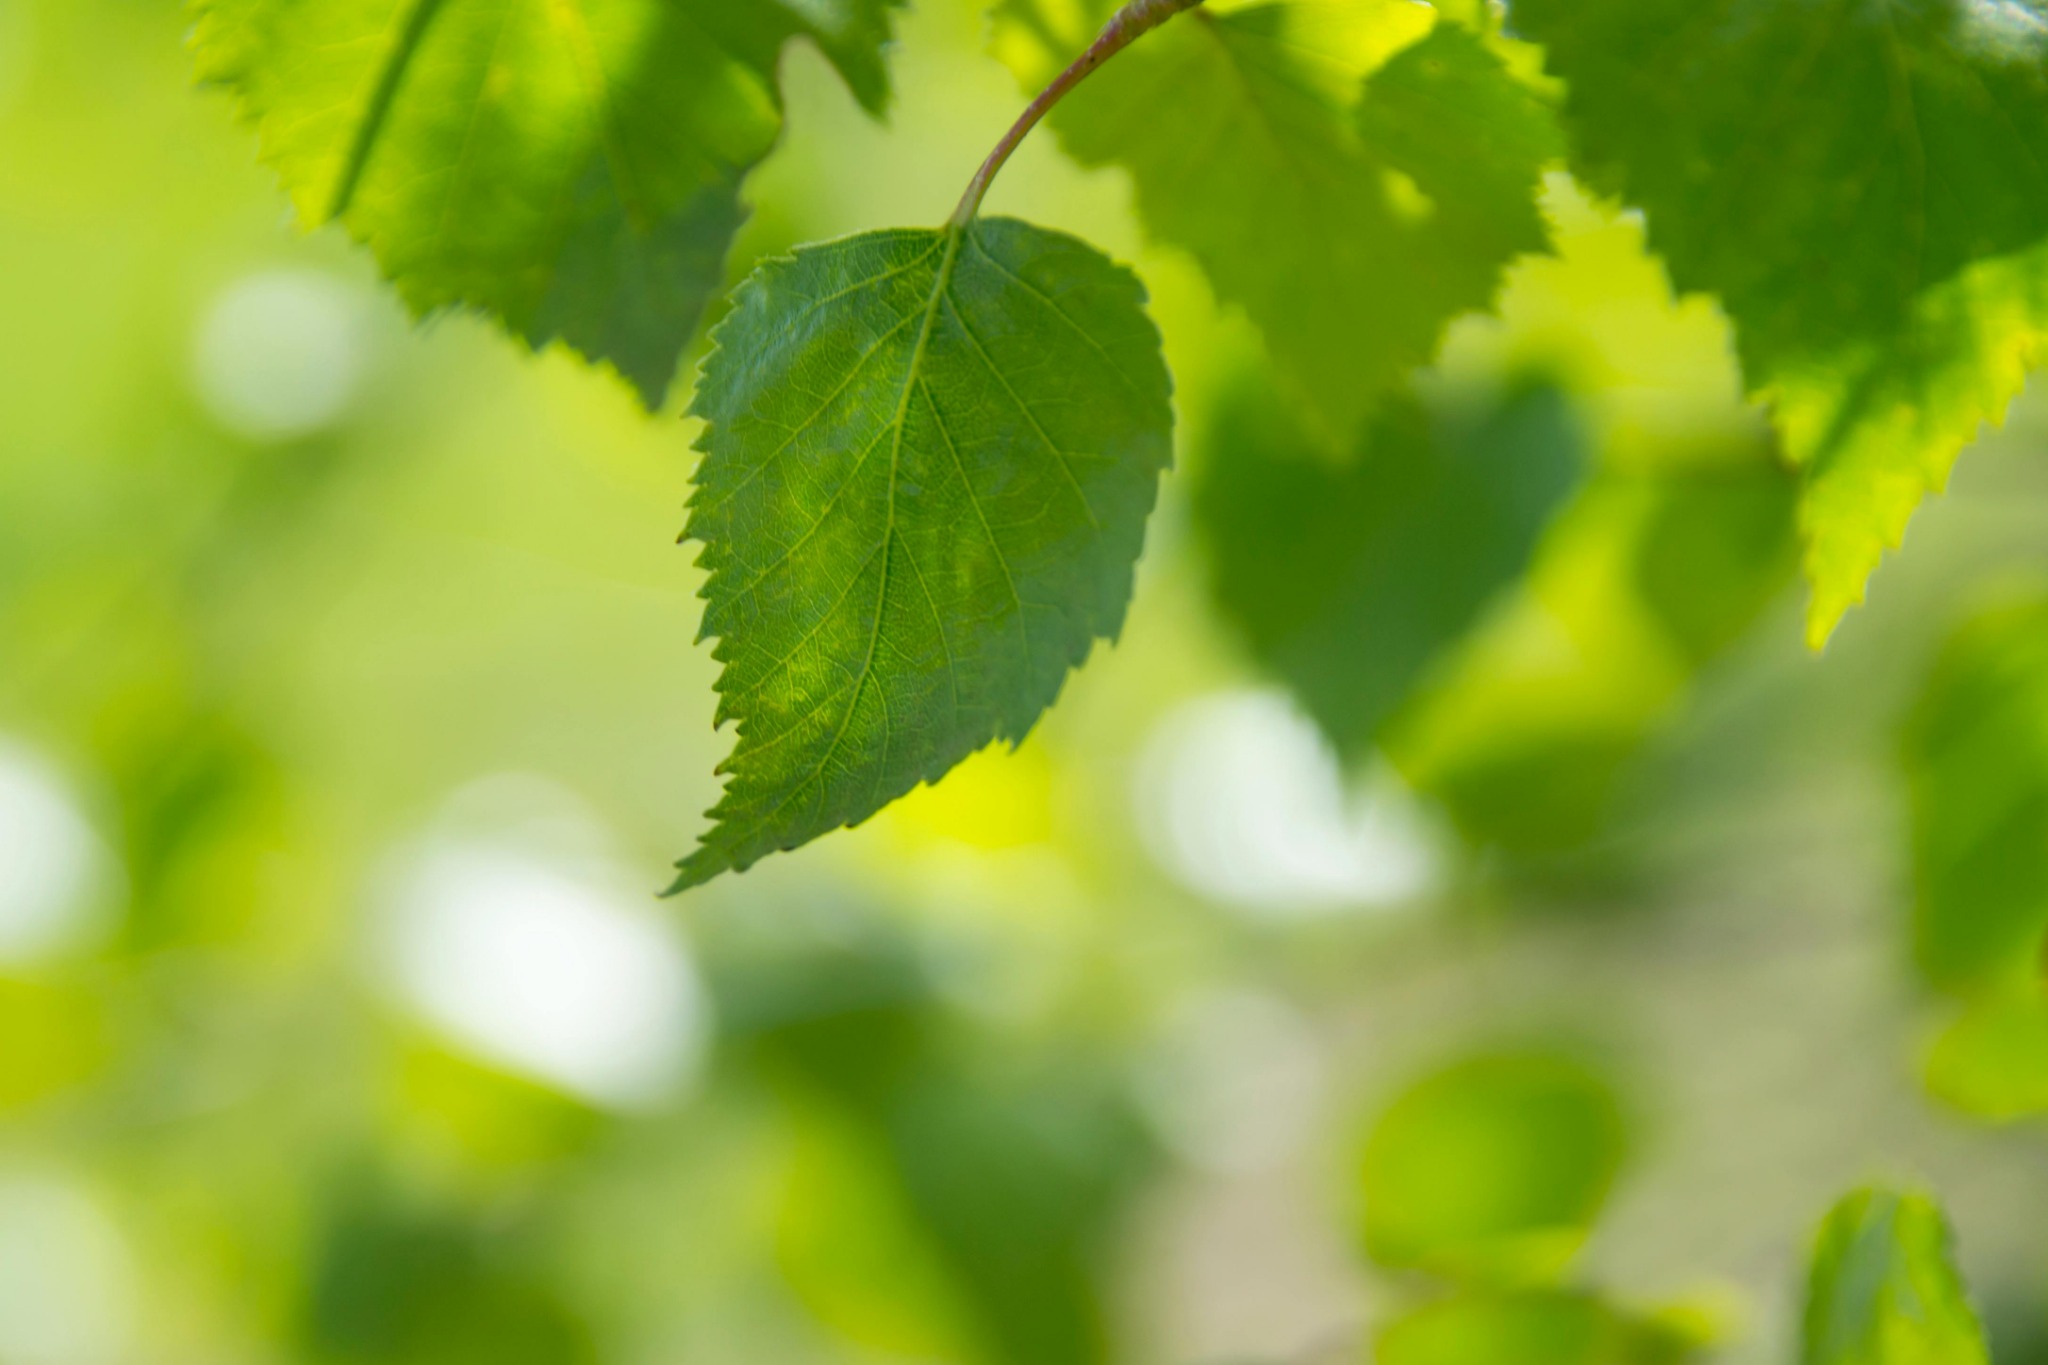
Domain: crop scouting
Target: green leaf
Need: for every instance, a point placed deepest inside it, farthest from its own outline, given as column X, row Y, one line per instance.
column 1860, row 183
column 1976, row 758
column 571, row 167
column 1532, row 733
column 929, row 460
column 1976, row 763
column 1541, row 1327
column 1494, row 1168
column 1884, row 1290
column 1351, row 232
column 1991, row 1062
column 1350, row 580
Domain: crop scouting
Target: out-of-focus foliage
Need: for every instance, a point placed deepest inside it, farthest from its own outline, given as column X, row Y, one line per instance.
column 1383, row 210
column 928, row 520
column 348, row 707
column 1539, row 1327
column 1870, row 217
column 1884, row 1290
column 1680, row 535
column 951, row 1200
column 1493, row 1169
column 1976, row 755
column 1488, row 1176
column 573, row 170
column 1350, row 580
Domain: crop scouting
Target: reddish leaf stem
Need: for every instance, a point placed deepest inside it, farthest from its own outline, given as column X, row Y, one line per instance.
column 1130, row 23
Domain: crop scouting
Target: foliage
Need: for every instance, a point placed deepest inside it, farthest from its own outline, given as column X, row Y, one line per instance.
column 1511, row 353
column 929, row 520
column 1883, row 1289
column 1976, row 756
column 1494, row 1168
column 578, row 174
column 1868, row 217
column 1488, row 1176
column 1350, row 580
column 574, row 170
column 1394, row 165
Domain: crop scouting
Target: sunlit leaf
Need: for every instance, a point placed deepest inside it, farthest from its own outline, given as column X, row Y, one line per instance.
column 1494, row 1168
column 1884, row 1289
column 1859, row 182
column 1349, row 579
column 1351, row 232
column 1991, row 1062
column 928, row 465
column 571, row 167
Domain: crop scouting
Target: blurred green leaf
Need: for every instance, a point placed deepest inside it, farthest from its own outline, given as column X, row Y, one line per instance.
column 1539, row 1327
column 1349, row 581
column 1530, row 737
column 572, row 169
column 928, row 464
column 1884, row 1290
column 1857, row 180
column 1350, row 232
column 1992, row 1061
column 1493, row 1169
column 404, row 1285
column 950, row 1198
column 1976, row 759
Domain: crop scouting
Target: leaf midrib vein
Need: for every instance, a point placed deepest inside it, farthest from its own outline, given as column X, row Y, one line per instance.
column 383, row 95
column 981, row 515
column 940, row 286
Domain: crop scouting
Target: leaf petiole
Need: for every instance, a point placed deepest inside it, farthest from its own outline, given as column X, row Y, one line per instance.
column 1130, row 23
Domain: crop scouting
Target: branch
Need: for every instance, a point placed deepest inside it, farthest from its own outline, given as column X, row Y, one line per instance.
column 1130, row 23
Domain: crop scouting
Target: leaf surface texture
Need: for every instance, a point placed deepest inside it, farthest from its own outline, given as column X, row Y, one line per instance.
column 1348, row 176
column 927, row 468
column 570, row 167
column 1864, row 186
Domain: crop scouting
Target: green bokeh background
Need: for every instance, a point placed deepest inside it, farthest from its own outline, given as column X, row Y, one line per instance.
column 1008, row 1075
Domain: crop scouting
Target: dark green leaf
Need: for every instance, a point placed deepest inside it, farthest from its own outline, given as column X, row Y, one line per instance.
column 928, row 465
column 1494, row 1168
column 1532, row 735
column 951, row 1197
column 1350, row 579
column 1884, row 1288
column 572, row 168
column 1350, row 235
column 1860, row 181
column 1976, row 757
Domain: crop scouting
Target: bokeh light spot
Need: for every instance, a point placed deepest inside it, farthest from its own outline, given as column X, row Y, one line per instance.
column 54, row 870
column 539, row 964
column 281, row 354
column 1240, row 799
column 66, row 1283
